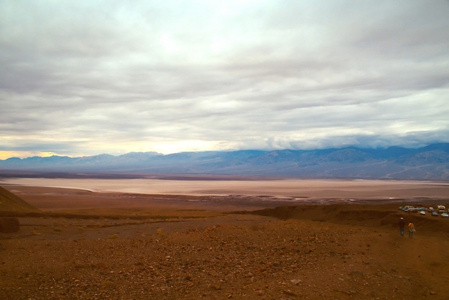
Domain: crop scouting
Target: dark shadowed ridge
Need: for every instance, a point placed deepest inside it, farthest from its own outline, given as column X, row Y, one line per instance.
column 426, row 163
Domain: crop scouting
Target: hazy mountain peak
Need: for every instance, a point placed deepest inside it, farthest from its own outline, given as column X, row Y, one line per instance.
column 426, row 163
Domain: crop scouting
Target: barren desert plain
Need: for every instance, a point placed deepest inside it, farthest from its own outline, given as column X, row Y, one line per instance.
column 215, row 238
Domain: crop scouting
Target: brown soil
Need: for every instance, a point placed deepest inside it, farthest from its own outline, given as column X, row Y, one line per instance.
column 187, row 247
column 10, row 202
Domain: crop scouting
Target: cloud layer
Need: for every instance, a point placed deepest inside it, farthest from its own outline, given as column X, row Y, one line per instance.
column 89, row 77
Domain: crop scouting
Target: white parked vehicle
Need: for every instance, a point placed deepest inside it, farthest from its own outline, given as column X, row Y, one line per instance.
column 422, row 213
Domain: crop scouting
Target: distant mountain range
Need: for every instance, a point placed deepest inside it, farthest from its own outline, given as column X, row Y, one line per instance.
column 426, row 163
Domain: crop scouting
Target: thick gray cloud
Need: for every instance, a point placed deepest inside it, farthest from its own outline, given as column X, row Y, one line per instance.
column 87, row 77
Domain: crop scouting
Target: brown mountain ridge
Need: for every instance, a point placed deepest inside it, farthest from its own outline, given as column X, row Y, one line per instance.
column 12, row 203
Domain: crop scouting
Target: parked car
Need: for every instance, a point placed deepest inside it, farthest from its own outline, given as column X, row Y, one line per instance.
column 406, row 209
column 422, row 213
column 435, row 214
column 445, row 215
column 431, row 208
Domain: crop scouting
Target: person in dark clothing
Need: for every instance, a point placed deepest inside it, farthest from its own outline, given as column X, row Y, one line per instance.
column 401, row 226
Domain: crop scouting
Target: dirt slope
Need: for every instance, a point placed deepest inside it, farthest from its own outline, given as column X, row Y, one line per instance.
column 12, row 203
column 368, row 215
column 341, row 251
column 228, row 257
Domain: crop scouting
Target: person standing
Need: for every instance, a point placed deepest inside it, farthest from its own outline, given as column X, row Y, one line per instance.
column 411, row 229
column 401, row 226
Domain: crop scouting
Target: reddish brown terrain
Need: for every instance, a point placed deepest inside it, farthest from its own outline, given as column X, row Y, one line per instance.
column 88, row 245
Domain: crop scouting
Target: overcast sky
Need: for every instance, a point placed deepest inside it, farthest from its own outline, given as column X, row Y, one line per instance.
column 89, row 77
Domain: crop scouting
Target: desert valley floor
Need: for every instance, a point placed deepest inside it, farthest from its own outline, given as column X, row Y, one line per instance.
column 224, row 239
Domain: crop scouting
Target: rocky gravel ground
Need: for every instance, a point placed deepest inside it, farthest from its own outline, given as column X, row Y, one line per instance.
column 225, row 257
